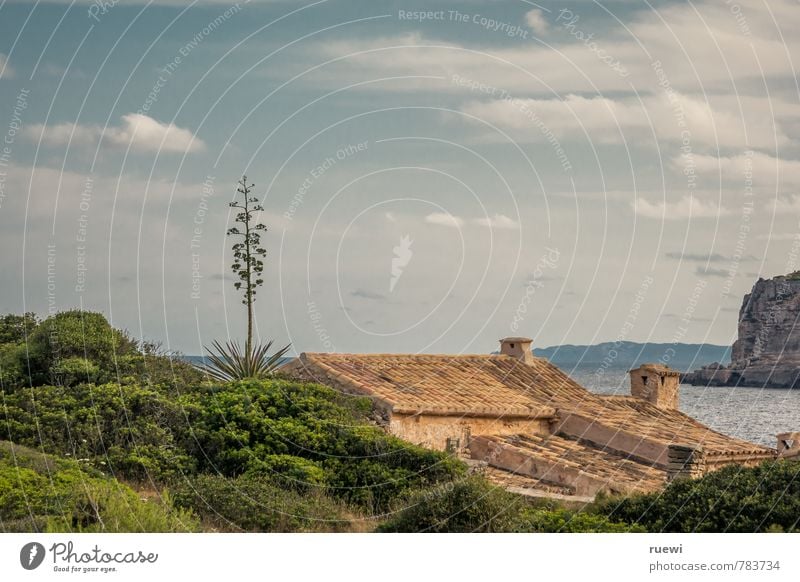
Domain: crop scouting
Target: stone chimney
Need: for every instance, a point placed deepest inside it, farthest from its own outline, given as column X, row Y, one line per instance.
column 517, row 347
column 656, row 383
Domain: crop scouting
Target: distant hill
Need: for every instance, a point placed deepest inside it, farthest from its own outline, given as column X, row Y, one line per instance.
column 683, row 357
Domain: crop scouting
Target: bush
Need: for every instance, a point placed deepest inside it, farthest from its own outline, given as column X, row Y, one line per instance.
column 253, row 503
column 475, row 505
column 733, row 499
column 42, row 493
column 15, row 329
column 240, row 427
column 76, row 334
column 74, row 371
column 128, row 430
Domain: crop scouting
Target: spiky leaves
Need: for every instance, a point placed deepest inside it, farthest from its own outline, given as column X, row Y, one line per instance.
column 229, row 362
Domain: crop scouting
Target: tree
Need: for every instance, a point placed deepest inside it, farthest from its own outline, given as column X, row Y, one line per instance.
column 248, row 253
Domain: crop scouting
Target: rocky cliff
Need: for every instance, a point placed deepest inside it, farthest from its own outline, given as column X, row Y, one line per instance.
column 767, row 350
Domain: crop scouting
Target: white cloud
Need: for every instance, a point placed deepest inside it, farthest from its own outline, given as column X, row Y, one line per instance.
column 606, row 120
column 686, row 207
column 499, row 221
column 444, row 219
column 6, row 72
column 765, row 170
column 536, row 21
column 140, row 132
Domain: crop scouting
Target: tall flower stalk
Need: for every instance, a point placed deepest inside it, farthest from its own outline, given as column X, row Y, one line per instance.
column 228, row 361
column 248, row 252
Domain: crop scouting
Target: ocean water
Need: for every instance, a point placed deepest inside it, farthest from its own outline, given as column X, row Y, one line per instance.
column 752, row 414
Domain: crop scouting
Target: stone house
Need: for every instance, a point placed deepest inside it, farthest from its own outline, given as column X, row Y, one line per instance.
column 530, row 425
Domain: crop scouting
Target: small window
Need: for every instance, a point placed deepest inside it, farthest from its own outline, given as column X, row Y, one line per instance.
column 644, row 380
column 512, row 346
column 453, row 445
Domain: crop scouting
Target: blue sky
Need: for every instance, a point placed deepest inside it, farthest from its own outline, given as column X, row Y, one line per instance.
column 575, row 172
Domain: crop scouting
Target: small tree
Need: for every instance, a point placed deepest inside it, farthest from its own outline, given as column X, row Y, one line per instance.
column 248, row 253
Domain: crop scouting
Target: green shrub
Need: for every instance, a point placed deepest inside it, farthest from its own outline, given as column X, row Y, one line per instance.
column 73, row 371
column 475, row 505
column 39, row 492
column 129, row 430
column 76, row 334
column 12, row 366
column 238, row 427
column 15, row 329
column 289, row 471
column 255, row 504
column 733, row 499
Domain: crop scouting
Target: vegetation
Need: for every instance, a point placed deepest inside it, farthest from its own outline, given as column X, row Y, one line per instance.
column 255, row 503
column 228, row 361
column 42, row 493
column 733, row 499
column 247, row 254
column 81, row 346
column 115, row 435
column 475, row 505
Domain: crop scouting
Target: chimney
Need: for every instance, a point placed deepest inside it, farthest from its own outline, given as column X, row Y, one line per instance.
column 656, row 383
column 517, row 347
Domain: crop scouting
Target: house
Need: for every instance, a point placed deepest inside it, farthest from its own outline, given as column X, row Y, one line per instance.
column 533, row 427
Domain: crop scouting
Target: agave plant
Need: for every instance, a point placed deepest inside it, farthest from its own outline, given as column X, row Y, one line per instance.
column 230, row 362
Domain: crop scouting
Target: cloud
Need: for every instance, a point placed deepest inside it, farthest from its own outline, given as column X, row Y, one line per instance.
column 707, row 258
column 6, row 72
column 714, row 122
column 139, row 132
column 701, row 272
column 766, row 170
column 712, row 258
column 686, row 207
column 778, row 236
column 536, row 21
column 444, row 219
column 499, row 221
column 364, row 294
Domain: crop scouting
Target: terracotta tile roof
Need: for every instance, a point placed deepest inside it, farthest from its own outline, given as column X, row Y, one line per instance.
column 503, row 386
column 637, row 416
column 432, row 384
column 617, row 471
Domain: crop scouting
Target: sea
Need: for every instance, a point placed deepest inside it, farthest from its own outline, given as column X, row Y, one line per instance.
column 752, row 414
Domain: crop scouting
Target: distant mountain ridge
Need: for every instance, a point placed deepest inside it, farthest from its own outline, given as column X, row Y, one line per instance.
column 682, row 357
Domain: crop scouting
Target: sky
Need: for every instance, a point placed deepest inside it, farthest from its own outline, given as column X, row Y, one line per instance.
column 434, row 176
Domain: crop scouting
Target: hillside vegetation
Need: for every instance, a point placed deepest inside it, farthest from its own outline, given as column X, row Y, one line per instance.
column 102, row 433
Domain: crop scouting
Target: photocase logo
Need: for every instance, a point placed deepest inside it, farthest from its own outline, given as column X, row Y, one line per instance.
column 402, row 256
column 31, row 555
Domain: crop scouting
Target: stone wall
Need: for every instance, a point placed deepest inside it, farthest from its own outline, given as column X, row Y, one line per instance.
column 454, row 432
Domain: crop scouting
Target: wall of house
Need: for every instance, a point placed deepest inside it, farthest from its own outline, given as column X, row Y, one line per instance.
column 453, row 432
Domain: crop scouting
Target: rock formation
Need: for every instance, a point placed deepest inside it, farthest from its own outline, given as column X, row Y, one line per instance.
column 767, row 350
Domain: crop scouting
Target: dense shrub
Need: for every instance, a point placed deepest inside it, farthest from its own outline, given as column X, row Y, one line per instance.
column 255, row 504
column 15, row 329
column 127, row 430
column 475, row 505
column 246, row 427
column 733, row 499
column 42, row 493
column 76, row 334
